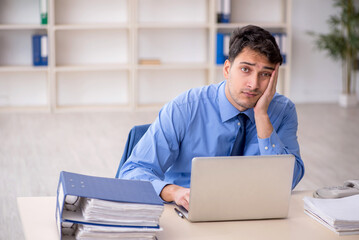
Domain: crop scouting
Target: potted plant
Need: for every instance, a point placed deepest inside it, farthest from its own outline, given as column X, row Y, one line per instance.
column 342, row 43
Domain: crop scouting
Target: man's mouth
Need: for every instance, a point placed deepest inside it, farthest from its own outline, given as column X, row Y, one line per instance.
column 251, row 94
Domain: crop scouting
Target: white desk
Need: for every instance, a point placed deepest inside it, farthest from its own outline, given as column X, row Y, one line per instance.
column 38, row 219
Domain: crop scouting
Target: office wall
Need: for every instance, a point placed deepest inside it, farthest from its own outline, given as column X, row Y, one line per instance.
column 315, row 77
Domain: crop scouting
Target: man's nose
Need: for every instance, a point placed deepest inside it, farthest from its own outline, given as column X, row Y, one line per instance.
column 253, row 82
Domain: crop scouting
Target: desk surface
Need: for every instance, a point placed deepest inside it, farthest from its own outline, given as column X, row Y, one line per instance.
column 38, row 219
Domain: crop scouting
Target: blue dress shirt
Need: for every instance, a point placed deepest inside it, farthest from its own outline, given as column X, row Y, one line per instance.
column 202, row 122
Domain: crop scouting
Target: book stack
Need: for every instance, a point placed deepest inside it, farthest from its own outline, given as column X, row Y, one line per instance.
column 340, row 215
column 91, row 207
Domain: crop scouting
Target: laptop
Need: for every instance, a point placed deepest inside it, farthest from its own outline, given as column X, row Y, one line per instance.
column 240, row 188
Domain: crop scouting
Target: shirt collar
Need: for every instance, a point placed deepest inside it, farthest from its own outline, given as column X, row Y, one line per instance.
column 227, row 110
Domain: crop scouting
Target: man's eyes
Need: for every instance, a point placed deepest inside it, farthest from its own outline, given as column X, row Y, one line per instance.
column 244, row 69
column 266, row 74
column 262, row 75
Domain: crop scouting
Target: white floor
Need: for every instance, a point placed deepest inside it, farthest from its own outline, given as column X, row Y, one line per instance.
column 35, row 147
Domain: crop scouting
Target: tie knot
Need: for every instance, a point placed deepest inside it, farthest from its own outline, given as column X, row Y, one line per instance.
column 242, row 118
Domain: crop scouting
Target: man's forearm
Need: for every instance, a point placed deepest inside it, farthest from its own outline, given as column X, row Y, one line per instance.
column 263, row 125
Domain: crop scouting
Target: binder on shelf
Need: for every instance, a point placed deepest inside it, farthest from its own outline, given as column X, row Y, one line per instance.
column 222, row 50
column 219, row 11
column 43, row 11
column 281, row 39
column 106, row 207
column 223, row 11
column 219, row 51
column 226, row 40
column 226, row 11
column 40, row 50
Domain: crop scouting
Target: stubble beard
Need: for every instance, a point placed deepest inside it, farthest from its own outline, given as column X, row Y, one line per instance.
column 241, row 103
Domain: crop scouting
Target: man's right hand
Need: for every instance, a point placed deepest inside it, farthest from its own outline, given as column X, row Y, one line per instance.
column 177, row 194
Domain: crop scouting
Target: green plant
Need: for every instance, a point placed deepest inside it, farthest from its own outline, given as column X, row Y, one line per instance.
column 342, row 42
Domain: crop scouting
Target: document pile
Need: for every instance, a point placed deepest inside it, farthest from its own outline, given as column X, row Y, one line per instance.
column 341, row 215
column 106, row 208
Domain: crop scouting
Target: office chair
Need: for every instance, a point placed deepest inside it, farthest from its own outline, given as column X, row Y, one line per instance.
column 134, row 136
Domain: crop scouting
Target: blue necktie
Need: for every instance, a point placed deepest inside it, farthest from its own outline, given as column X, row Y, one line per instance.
column 238, row 147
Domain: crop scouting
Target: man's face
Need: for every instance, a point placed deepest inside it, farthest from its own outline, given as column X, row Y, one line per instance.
column 247, row 78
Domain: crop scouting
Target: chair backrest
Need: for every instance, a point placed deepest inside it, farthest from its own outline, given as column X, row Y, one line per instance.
column 134, row 136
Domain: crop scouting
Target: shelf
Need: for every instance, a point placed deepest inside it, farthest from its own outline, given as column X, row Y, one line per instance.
column 180, row 46
column 91, row 11
column 182, row 66
column 92, row 26
column 97, row 108
column 91, row 47
column 151, row 84
column 16, row 46
column 282, row 67
column 96, row 47
column 84, row 88
column 172, row 25
column 95, row 67
column 172, row 11
column 150, row 106
column 24, row 89
column 25, row 109
column 258, row 11
column 20, row 12
column 23, row 69
column 22, row 26
column 266, row 25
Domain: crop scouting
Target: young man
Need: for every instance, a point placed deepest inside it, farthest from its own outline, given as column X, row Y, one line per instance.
column 204, row 121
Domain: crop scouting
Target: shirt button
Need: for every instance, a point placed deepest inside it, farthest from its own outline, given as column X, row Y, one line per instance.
column 266, row 148
column 273, row 145
column 239, row 124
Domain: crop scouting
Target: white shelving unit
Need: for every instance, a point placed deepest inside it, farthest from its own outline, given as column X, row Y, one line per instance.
column 96, row 48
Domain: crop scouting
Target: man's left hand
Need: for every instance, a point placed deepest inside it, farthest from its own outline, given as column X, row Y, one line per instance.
column 263, row 102
column 263, row 124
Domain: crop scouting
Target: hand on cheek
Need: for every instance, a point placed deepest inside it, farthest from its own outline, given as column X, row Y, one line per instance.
column 264, row 101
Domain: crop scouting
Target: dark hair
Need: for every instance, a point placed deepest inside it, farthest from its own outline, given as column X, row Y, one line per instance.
column 257, row 39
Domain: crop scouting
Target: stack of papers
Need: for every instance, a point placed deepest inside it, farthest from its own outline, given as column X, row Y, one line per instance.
column 88, row 232
column 341, row 215
column 118, row 220
column 121, row 212
column 90, row 208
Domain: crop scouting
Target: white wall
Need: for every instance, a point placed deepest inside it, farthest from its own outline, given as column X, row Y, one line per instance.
column 315, row 77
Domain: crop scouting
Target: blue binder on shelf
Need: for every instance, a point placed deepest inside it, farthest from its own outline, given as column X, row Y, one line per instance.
column 80, row 186
column 222, row 51
column 219, row 51
column 40, row 50
column 226, row 16
column 223, row 11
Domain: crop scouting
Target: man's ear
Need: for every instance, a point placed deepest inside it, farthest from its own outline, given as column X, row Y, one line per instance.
column 226, row 68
